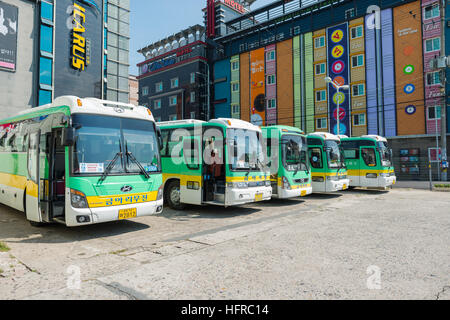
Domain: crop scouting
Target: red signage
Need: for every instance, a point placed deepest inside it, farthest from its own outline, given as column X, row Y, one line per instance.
column 184, row 51
column 235, row 5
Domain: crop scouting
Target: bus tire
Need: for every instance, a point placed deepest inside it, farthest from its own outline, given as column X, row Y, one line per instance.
column 173, row 196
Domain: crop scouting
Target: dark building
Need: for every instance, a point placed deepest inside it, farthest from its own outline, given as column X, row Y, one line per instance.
column 50, row 48
column 172, row 81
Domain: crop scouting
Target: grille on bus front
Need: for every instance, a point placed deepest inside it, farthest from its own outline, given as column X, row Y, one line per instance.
column 301, row 181
column 257, row 184
column 342, row 177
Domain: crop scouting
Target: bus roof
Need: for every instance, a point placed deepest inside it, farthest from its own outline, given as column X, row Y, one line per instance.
column 285, row 129
column 367, row 137
column 86, row 106
column 225, row 122
column 324, row 136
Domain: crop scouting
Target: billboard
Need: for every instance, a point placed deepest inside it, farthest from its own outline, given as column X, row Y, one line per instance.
column 257, row 89
column 79, row 48
column 8, row 36
column 338, row 66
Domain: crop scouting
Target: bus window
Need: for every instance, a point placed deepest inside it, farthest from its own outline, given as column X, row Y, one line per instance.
column 351, row 154
column 369, row 157
column 316, row 157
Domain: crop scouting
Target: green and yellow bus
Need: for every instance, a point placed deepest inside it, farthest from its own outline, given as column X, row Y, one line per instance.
column 369, row 162
column 81, row 161
column 328, row 170
column 287, row 156
column 219, row 162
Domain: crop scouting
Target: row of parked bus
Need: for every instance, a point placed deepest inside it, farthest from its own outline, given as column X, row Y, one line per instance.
column 84, row 161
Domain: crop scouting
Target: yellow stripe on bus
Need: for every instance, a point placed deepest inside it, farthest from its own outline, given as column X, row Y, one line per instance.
column 12, row 180
column 363, row 173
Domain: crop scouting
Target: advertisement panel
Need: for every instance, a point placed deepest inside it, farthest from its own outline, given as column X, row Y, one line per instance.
column 409, row 69
column 8, row 36
column 338, row 66
column 79, row 48
column 257, row 88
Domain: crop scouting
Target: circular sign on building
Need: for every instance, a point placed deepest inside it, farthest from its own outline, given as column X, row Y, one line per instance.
column 409, row 69
column 342, row 129
column 339, row 98
column 409, row 88
column 337, row 51
column 411, row 109
column 337, row 36
column 338, row 67
column 342, row 114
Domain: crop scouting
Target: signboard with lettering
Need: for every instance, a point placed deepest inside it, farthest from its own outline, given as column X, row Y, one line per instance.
column 79, row 48
column 338, row 60
column 8, row 36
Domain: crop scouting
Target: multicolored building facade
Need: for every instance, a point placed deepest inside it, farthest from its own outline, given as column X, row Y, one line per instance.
column 384, row 53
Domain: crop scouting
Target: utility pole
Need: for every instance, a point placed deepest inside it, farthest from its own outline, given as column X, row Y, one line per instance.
column 444, row 82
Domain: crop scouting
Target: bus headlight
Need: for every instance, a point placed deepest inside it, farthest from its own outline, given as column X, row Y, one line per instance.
column 286, row 184
column 384, row 175
column 333, row 178
column 78, row 199
column 268, row 183
column 160, row 193
column 318, row 179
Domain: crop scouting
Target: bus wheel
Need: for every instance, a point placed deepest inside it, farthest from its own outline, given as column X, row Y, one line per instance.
column 173, row 195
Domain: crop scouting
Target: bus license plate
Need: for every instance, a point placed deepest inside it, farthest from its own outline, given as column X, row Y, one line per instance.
column 345, row 187
column 303, row 193
column 127, row 213
column 259, row 197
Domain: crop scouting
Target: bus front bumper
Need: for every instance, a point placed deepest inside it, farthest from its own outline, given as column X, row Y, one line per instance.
column 331, row 186
column 293, row 193
column 108, row 214
column 236, row 196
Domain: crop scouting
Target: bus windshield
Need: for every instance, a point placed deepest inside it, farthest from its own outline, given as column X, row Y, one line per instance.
column 386, row 154
column 334, row 154
column 100, row 140
column 245, row 150
column 294, row 152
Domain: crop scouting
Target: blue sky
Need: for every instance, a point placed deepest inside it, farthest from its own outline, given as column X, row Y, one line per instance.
column 150, row 22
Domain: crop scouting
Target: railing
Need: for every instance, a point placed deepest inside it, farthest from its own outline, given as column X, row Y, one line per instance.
column 270, row 13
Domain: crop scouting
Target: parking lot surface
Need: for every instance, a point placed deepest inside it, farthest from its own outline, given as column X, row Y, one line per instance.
column 352, row 245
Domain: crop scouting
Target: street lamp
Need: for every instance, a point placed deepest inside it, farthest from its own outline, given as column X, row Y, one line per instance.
column 338, row 88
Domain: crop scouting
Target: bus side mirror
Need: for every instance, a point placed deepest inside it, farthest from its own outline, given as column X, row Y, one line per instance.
column 68, row 137
column 160, row 140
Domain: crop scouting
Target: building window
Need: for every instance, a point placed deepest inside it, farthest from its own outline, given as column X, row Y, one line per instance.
column 359, row 119
column 173, row 101
column 45, row 97
column 358, row 90
column 46, row 38
column 145, row 91
column 321, row 123
column 320, row 69
column 271, row 79
column 193, row 97
column 433, row 44
column 235, row 66
column 319, row 42
column 192, row 77
column 321, row 95
column 235, row 87
column 235, row 109
column 172, row 117
column 271, row 103
column 432, row 11
column 270, row 56
column 159, row 87
column 434, row 113
column 157, row 104
column 174, row 83
column 45, row 73
column 358, row 61
column 356, row 32
column 46, row 11
column 433, row 78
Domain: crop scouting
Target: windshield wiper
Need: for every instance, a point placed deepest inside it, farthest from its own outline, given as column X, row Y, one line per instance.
column 131, row 156
column 110, row 166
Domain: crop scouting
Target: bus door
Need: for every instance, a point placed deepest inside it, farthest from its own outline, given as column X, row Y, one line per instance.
column 214, row 176
column 191, row 182
column 57, row 175
column 368, row 165
column 44, row 176
column 32, row 197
